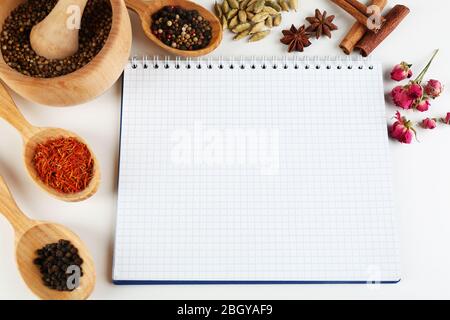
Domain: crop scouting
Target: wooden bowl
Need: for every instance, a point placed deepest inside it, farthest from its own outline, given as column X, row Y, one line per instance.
column 145, row 10
column 84, row 84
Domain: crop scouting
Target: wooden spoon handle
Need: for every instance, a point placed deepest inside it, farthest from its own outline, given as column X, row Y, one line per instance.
column 138, row 6
column 11, row 211
column 9, row 112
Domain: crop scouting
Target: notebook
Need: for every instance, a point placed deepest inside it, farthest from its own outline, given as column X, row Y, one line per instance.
column 254, row 171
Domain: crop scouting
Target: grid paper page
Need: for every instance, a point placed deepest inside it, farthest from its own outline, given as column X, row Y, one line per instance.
column 255, row 172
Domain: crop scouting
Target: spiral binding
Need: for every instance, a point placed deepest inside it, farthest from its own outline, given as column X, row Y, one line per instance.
column 275, row 62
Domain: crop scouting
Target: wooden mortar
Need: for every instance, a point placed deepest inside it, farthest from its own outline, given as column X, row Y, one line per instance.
column 84, row 84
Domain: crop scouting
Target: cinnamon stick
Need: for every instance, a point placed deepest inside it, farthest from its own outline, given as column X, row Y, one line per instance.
column 371, row 41
column 357, row 31
column 363, row 9
column 354, row 12
column 359, row 6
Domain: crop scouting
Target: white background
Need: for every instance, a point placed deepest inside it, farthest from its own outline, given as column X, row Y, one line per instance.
column 421, row 171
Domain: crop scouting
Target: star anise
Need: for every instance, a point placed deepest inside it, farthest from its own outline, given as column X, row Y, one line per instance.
column 295, row 39
column 321, row 24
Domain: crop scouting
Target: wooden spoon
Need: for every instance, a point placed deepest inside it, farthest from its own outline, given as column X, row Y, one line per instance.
column 32, row 136
column 145, row 10
column 56, row 37
column 32, row 235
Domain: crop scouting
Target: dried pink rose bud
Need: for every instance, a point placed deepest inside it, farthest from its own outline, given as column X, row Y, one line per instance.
column 423, row 105
column 434, row 88
column 415, row 91
column 402, row 129
column 446, row 120
column 428, row 123
column 405, row 96
column 401, row 71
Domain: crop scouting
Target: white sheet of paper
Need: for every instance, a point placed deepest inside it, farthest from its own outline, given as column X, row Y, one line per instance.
column 255, row 174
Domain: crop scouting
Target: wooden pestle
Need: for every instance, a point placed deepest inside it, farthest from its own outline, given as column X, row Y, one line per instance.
column 357, row 31
column 56, row 37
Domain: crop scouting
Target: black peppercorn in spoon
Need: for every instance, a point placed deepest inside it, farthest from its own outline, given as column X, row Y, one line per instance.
column 32, row 235
column 145, row 10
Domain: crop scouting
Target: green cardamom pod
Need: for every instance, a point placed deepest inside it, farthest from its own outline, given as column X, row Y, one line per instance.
column 232, row 13
column 277, row 20
column 269, row 22
column 269, row 10
column 224, row 22
column 258, row 36
column 293, row 4
column 251, row 3
column 233, row 22
column 260, row 17
column 242, row 16
column 243, row 4
column 273, row 4
column 233, row 4
column 283, row 4
column 241, row 27
column 241, row 35
column 225, row 7
column 259, row 5
column 257, row 27
column 218, row 10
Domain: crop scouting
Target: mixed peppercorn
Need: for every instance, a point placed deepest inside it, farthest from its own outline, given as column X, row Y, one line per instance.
column 181, row 29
